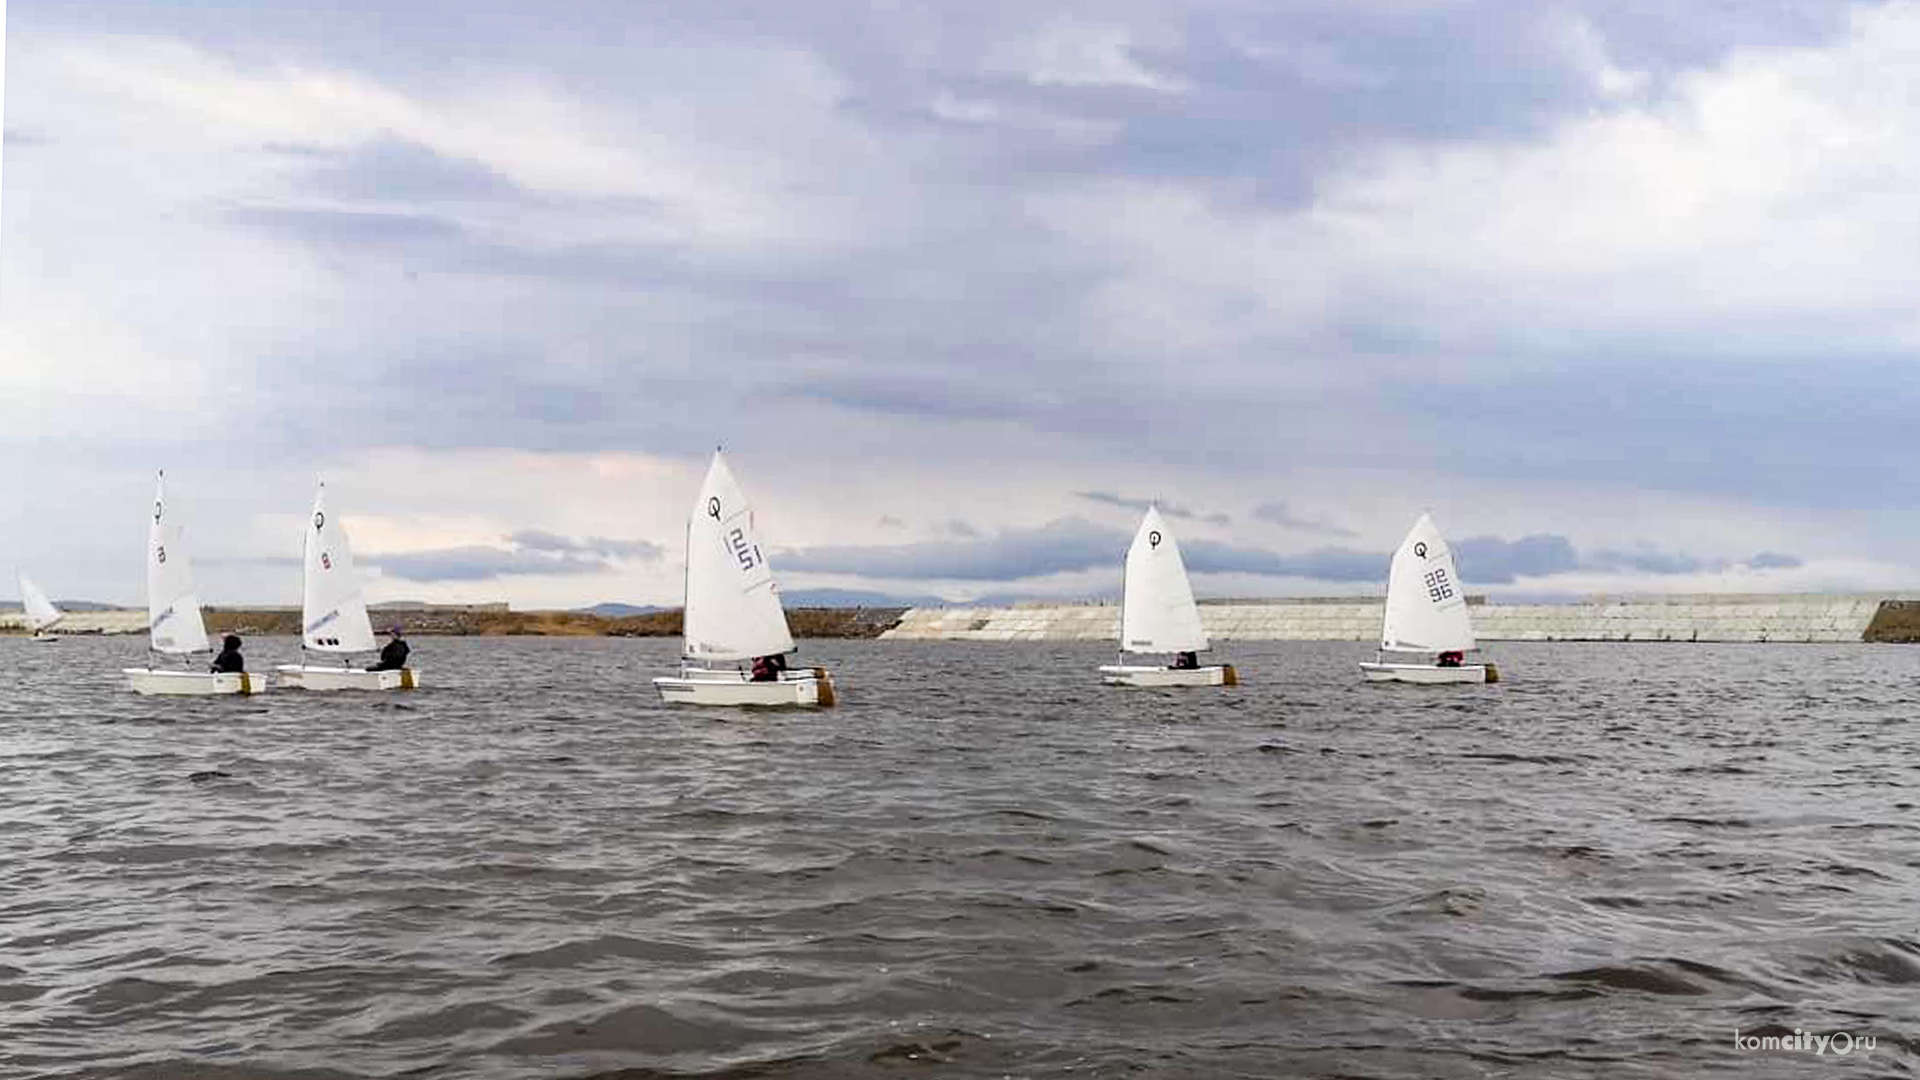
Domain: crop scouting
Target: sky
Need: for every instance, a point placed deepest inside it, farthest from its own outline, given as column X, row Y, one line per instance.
column 1620, row 291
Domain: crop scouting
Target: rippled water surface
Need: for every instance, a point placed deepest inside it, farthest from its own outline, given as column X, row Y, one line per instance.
column 984, row 864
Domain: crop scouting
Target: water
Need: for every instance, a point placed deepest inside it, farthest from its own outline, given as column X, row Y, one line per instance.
column 984, row 864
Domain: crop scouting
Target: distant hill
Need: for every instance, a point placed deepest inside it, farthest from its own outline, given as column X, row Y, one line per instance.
column 614, row 610
column 70, row 605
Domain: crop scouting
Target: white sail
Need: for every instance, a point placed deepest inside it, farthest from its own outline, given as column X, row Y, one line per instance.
column 40, row 611
column 173, row 607
column 333, row 609
column 1158, row 614
column 733, row 610
column 1426, row 604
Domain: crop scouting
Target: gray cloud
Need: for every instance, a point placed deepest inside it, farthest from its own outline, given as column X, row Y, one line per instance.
column 1493, row 561
column 1774, row 560
column 600, row 546
column 1649, row 561
column 1484, row 560
column 1172, row 510
column 356, row 227
column 1278, row 513
column 532, row 553
column 1060, row 546
column 1071, row 544
column 391, row 168
column 478, row 563
column 1326, row 564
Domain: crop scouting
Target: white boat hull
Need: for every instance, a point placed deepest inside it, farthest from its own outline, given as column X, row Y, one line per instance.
column 1430, row 674
column 44, row 639
column 699, row 686
column 193, row 683
column 318, row 677
column 1136, row 675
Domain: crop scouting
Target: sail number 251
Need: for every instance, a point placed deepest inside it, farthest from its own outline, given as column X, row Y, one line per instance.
column 747, row 553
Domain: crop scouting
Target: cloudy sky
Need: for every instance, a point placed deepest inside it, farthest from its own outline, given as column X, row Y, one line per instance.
column 1622, row 291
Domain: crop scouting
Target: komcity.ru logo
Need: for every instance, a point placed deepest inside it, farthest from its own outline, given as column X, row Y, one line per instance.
column 1841, row 1043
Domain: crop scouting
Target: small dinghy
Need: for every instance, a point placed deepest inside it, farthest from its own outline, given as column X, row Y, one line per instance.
column 1158, row 615
column 41, row 614
column 333, row 614
column 733, row 612
column 174, row 623
column 1426, row 614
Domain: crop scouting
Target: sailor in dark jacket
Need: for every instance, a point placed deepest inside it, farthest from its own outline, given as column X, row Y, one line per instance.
column 393, row 656
column 229, row 659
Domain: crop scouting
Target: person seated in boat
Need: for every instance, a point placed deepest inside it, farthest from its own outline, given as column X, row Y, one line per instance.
column 1451, row 658
column 393, row 655
column 1185, row 661
column 229, row 659
column 768, row 668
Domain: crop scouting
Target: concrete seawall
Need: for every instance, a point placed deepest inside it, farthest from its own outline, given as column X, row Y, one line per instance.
column 1747, row 617
column 114, row 621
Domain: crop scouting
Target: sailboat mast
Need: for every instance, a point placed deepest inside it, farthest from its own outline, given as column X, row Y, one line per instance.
column 306, row 539
column 686, row 591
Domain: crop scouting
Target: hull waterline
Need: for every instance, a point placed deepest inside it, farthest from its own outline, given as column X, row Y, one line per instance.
column 1430, row 674
column 319, row 677
column 696, row 686
column 1140, row 675
column 167, row 683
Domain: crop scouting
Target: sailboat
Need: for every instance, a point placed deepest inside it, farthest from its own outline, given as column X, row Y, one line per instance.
column 1158, row 615
column 333, row 613
column 733, row 611
column 174, row 624
column 41, row 614
column 1426, row 614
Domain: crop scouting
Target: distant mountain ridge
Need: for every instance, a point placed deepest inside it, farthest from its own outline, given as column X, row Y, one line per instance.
column 610, row 609
column 72, row 605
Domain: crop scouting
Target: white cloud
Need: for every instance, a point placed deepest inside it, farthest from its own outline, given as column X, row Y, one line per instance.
column 1759, row 207
column 1587, row 52
column 1312, row 62
column 1079, row 54
column 749, row 162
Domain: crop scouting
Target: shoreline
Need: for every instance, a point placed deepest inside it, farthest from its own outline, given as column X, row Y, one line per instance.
column 1807, row 618
column 469, row 622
